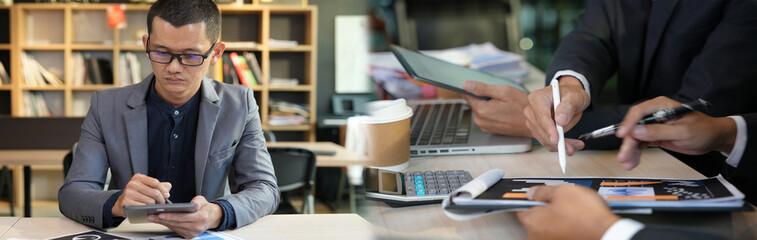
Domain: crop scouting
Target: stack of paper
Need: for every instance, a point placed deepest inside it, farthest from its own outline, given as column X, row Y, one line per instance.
column 287, row 114
column 284, row 81
column 281, row 43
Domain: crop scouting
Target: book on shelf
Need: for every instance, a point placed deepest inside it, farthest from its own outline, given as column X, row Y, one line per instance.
column 252, row 61
column 87, row 69
column 4, row 77
column 234, row 75
column 124, row 70
column 78, row 68
column 93, row 68
column 245, row 74
column 35, row 105
column 106, row 71
column 129, row 69
column 226, row 68
column 35, row 74
column 492, row 192
column 226, row 77
column 230, row 77
column 135, row 67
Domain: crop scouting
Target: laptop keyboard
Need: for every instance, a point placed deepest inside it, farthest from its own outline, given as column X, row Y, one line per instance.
column 435, row 124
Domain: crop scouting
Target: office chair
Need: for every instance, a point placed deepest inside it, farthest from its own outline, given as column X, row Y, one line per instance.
column 69, row 159
column 295, row 169
column 6, row 185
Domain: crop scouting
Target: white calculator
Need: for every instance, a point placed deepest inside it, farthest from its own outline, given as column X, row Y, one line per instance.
column 409, row 188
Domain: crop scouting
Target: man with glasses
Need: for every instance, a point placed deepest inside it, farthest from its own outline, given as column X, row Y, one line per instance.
column 173, row 137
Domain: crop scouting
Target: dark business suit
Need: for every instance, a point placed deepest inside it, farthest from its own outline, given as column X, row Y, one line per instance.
column 683, row 49
column 744, row 176
column 669, row 233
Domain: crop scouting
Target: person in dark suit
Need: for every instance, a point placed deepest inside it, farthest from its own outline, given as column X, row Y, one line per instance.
column 694, row 134
column 682, row 49
column 574, row 209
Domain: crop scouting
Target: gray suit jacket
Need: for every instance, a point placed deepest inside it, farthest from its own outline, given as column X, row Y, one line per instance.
column 229, row 134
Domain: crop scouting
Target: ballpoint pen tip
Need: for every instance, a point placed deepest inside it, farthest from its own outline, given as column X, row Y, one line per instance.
column 584, row 136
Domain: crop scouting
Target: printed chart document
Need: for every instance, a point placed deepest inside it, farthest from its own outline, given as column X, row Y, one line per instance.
column 492, row 192
column 93, row 234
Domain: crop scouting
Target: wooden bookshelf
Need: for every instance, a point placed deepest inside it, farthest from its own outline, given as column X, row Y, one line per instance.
column 55, row 32
column 5, row 57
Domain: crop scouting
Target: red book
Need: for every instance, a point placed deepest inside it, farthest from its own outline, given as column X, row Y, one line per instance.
column 240, row 68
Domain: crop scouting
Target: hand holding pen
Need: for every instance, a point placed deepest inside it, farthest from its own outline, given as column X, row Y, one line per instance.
column 690, row 133
column 541, row 114
column 140, row 190
column 656, row 117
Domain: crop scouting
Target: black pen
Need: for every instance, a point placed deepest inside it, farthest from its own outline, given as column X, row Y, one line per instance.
column 657, row 117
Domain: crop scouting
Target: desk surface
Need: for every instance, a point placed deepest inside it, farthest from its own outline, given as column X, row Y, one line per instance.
column 430, row 222
column 318, row 226
column 341, row 158
column 32, row 157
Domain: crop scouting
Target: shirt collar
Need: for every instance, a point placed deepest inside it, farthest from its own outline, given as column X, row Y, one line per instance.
column 163, row 106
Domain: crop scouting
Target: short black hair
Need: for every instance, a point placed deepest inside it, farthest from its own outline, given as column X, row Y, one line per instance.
column 182, row 12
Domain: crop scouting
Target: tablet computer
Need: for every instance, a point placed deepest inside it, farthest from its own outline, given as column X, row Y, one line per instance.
column 138, row 213
column 445, row 74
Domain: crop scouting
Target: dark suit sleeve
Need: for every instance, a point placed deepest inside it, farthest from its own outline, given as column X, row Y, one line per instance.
column 588, row 49
column 722, row 71
column 717, row 72
column 658, row 232
column 744, row 177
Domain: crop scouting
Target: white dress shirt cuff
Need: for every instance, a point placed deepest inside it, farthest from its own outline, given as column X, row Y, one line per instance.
column 623, row 229
column 574, row 74
column 740, row 145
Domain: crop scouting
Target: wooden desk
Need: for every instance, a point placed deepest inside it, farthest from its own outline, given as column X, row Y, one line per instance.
column 342, row 158
column 429, row 221
column 318, row 226
column 27, row 158
column 6, row 223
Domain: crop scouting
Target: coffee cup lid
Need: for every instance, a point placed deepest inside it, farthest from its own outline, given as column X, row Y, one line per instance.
column 385, row 111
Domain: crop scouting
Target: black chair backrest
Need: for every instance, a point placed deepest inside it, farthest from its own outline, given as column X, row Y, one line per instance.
column 67, row 160
column 294, row 167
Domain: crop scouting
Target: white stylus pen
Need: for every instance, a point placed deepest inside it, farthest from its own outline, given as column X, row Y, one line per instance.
column 561, row 141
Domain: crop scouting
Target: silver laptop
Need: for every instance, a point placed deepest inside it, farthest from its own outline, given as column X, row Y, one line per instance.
column 446, row 127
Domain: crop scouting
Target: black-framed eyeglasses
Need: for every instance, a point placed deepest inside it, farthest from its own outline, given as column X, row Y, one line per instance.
column 184, row 59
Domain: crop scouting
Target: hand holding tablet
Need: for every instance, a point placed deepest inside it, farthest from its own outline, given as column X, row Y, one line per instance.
column 445, row 74
column 139, row 213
